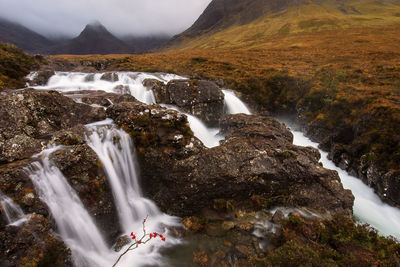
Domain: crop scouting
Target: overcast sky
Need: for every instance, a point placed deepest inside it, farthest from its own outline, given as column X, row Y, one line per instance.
column 122, row 17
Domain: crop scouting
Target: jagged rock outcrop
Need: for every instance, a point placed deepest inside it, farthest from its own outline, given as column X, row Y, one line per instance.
column 204, row 99
column 161, row 136
column 29, row 117
column 257, row 158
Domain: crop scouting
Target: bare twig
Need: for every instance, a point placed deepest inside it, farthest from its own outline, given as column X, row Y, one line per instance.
column 136, row 243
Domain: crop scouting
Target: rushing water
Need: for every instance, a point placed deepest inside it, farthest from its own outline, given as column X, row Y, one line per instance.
column 233, row 104
column 368, row 207
column 74, row 223
column 115, row 150
column 127, row 82
column 12, row 212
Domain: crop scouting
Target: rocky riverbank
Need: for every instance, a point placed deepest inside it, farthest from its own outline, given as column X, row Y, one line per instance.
column 225, row 191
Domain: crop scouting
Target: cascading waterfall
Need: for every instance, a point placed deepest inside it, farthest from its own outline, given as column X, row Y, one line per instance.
column 111, row 144
column 368, row 207
column 127, row 82
column 74, row 223
column 115, row 150
column 233, row 105
column 12, row 212
column 132, row 83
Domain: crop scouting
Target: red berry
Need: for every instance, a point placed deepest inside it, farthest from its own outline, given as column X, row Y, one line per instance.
column 139, row 242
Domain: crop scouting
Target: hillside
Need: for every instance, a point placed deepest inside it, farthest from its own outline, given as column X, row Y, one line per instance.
column 244, row 24
column 94, row 39
column 22, row 37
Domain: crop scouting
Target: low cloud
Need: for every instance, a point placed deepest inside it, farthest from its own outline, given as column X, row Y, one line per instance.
column 122, row 17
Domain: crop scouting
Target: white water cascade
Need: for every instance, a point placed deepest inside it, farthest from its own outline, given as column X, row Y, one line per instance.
column 74, row 223
column 368, row 207
column 233, row 104
column 115, row 150
column 12, row 212
column 127, row 82
column 130, row 83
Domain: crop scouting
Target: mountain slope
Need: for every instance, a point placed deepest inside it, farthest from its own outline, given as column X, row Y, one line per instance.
column 94, row 39
column 23, row 37
column 249, row 23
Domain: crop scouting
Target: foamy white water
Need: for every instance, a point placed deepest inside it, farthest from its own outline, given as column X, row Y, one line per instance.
column 233, row 104
column 74, row 223
column 127, row 82
column 12, row 211
column 368, row 207
column 116, row 152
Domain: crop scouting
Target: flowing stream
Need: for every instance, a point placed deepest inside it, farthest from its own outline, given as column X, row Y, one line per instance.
column 12, row 212
column 116, row 152
column 368, row 207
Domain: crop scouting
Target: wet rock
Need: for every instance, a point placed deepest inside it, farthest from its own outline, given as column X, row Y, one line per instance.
column 70, row 136
column 192, row 223
column 16, row 184
column 245, row 226
column 257, row 158
column 228, row 225
column 160, row 136
column 33, row 244
column 278, row 217
column 203, row 99
column 82, row 168
column 121, row 242
column 42, row 77
column 110, row 76
column 29, row 117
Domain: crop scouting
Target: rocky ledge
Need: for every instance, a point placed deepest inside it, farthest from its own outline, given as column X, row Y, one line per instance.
column 257, row 166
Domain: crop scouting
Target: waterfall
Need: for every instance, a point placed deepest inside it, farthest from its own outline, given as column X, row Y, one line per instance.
column 127, row 82
column 115, row 150
column 233, row 105
column 12, row 212
column 74, row 223
column 368, row 207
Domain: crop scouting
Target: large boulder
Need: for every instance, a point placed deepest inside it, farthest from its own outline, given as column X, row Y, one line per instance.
column 201, row 98
column 257, row 158
column 161, row 136
column 29, row 117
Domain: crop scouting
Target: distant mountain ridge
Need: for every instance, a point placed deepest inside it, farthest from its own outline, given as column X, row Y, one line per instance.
column 23, row 37
column 243, row 23
column 94, row 39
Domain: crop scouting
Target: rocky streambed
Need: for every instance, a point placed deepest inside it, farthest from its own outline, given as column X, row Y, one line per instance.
column 226, row 196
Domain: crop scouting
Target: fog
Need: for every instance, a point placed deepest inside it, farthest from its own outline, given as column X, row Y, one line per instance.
column 54, row 18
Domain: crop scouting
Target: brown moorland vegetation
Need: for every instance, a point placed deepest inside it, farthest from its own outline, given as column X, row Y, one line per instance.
column 336, row 79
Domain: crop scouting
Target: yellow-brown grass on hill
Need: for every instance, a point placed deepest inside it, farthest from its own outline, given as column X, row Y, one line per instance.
column 352, row 73
column 311, row 17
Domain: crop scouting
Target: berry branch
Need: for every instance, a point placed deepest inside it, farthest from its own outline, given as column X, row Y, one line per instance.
column 143, row 240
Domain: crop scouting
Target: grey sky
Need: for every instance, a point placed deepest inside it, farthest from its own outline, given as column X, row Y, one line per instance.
column 122, row 17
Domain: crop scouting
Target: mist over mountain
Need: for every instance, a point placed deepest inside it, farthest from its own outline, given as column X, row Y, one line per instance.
column 23, row 37
column 94, row 39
